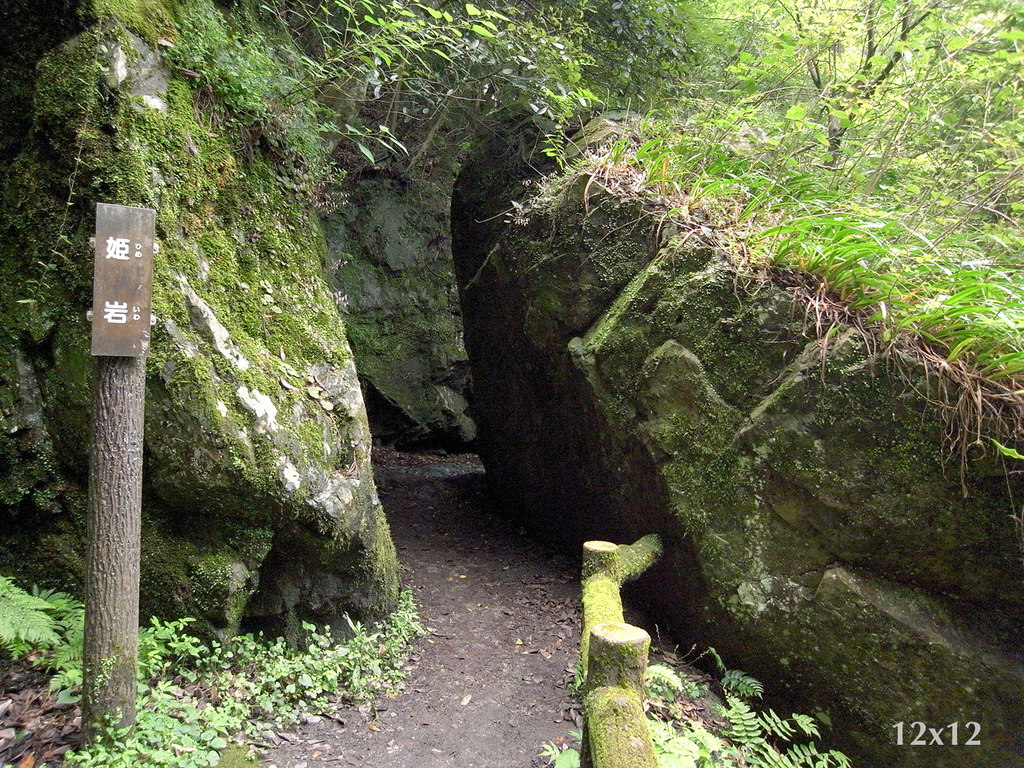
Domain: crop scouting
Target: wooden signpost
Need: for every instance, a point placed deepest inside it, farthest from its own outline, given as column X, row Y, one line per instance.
column 122, row 292
column 122, row 280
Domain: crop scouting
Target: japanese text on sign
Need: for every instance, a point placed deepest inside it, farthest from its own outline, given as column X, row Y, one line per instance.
column 122, row 283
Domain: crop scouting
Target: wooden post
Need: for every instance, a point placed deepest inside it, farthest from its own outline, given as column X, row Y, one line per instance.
column 606, row 567
column 121, row 320
column 615, row 730
column 617, row 656
column 613, row 658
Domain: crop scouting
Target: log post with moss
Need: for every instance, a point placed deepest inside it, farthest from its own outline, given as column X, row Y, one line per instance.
column 606, row 567
column 613, row 658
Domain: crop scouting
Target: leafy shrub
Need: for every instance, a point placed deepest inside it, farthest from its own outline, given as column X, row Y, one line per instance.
column 195, row 696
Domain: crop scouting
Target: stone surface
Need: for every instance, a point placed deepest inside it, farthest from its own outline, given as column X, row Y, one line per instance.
column 391, row 270
column 259, row 499
column 628, row 382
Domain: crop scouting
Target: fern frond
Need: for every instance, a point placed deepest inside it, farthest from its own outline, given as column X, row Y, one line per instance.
column 24, row 620
column 744, row 725
column 660, row 676
column 764, row 755
column 59, row 602
column 808, row 756
column 807, row 724
column 738, row 682
column 775, row 725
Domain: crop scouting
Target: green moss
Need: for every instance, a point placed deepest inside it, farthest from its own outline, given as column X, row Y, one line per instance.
column 601, row 603
column 382, row 567
column 617, row 731
column 150, row 19
column 238, row 756
column 209, row 578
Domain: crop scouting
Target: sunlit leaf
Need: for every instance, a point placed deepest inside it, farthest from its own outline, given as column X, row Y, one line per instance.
column 1006, row 451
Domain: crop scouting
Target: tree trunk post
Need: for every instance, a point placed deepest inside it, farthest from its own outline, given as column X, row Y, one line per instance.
column 122, row 298
column 112, row 555
column 615, row 729
column 613, row 658
column 606, row 567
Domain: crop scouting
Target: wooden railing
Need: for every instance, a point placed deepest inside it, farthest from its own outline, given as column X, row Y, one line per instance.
column 613, row 656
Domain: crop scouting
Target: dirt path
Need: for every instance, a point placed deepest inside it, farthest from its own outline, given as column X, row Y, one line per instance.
column 490, row 682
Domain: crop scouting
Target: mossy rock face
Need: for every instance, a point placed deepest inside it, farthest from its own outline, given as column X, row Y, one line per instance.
column 390, row 266
column 257, row 441
column 627, row 382
column 28, row 28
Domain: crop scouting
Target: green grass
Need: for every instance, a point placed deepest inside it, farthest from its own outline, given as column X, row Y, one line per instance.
column 950, row 297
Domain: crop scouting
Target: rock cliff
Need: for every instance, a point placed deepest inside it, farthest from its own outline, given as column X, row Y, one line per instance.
column 389, row 257
column 629, row 381
column 259, row 499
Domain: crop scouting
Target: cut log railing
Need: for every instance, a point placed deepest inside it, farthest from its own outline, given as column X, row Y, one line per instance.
column 613, row 658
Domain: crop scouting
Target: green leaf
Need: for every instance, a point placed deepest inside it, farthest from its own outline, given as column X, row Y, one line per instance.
column 1006, row 451
column 364, row 150
column 482, row 31
column 472, row 10
column 65, row 696
column 796, row 112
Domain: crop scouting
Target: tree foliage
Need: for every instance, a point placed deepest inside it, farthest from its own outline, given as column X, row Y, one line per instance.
column 915, row 104
column 868, row 157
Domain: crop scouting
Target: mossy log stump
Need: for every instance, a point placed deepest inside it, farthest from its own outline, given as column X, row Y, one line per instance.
column 606, row 567
column 613, row 658
column 615, row 729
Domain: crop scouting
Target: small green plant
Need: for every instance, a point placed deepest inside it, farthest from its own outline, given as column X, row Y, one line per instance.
column 49, row 622
column 750, row 738
column 26, row 620
column 662, row 682
column 194, row 696
column 561, row 756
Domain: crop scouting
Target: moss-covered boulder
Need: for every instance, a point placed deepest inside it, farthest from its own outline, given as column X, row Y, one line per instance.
column 628, row 381
column 259, row 497
column 389, row 257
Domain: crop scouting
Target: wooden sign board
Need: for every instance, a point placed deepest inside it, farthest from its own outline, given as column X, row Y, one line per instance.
column 122, row 280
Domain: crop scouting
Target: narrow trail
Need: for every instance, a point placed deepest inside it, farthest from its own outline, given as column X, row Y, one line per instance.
column 490, row 682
